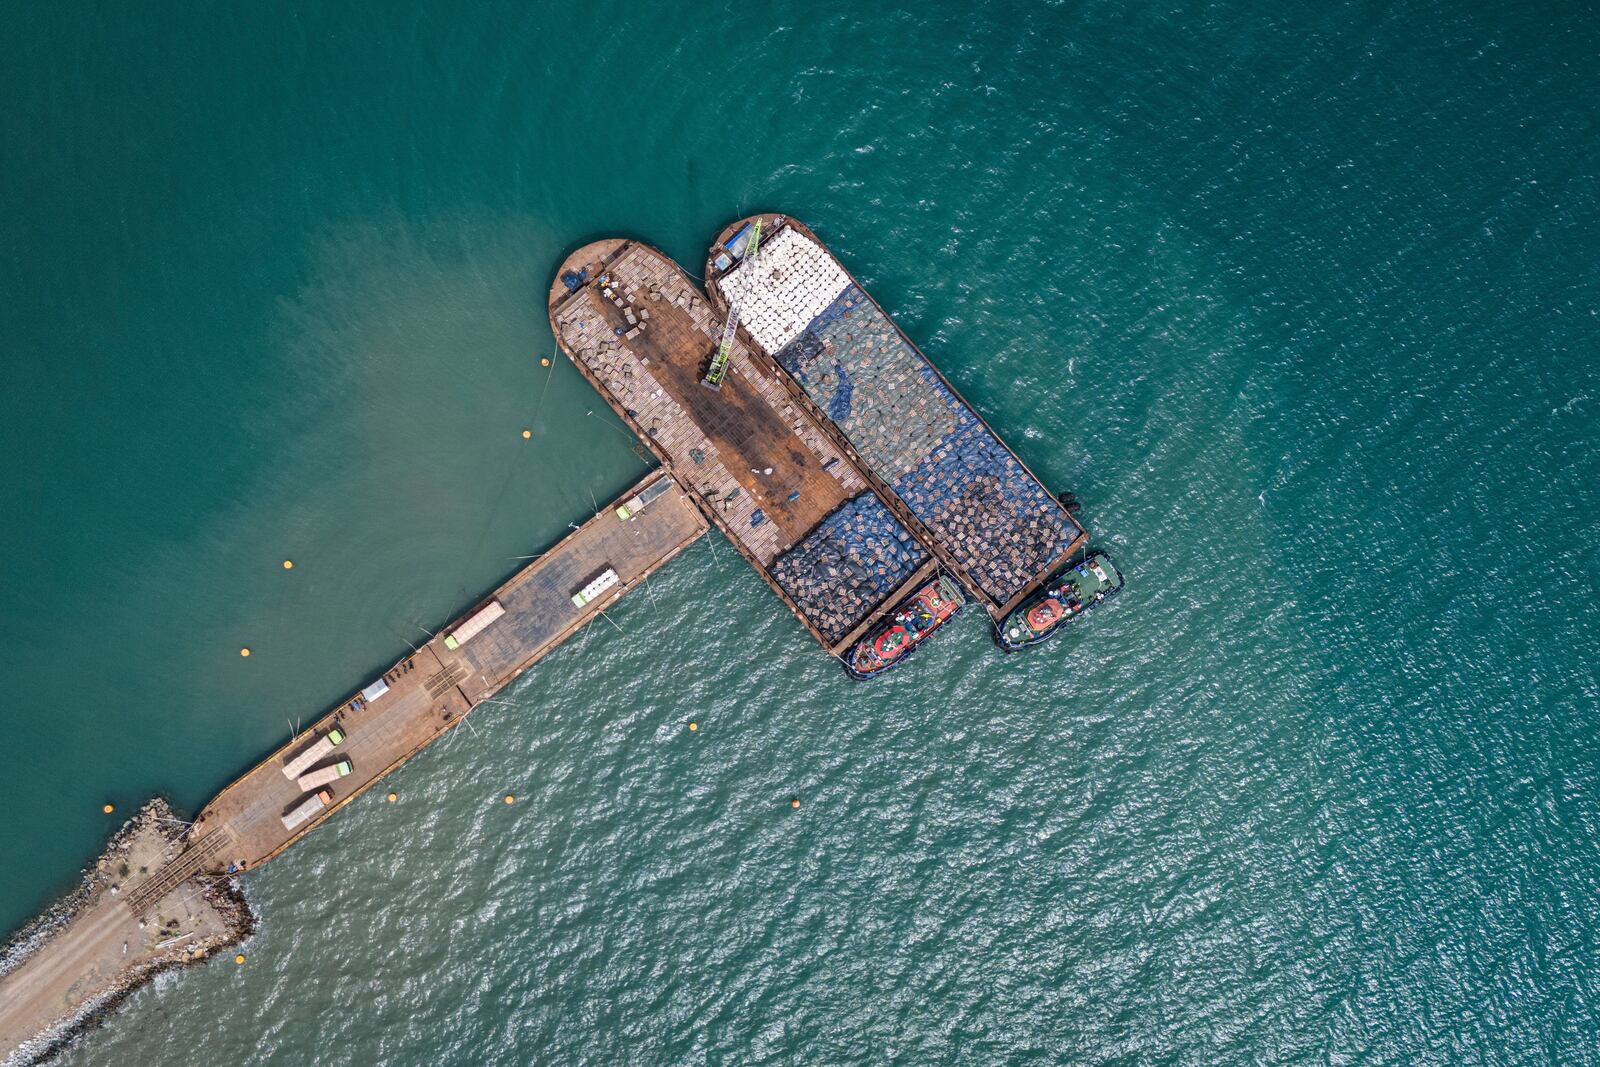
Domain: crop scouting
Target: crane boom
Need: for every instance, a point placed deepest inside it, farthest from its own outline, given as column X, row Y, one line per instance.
column 719, row 362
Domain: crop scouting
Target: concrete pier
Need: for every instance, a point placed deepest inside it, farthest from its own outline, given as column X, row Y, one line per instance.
column 121, row 932
column 431, row 690
column 835, row 458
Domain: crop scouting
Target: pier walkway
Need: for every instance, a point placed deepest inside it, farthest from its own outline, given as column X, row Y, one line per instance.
column 430, row 691
column 427, row 693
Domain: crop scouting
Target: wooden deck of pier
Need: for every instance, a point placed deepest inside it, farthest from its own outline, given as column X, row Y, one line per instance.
column 768, row 364
column 746, row 447
column 431, row 690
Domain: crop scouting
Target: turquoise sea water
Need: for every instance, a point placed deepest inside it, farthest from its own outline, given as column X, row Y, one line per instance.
column 1299, row 299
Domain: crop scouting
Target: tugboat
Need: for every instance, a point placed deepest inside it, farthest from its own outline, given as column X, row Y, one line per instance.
column 1064, row 598
column 900, row 632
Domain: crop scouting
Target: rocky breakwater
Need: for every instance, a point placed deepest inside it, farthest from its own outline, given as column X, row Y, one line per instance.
column 63, row 972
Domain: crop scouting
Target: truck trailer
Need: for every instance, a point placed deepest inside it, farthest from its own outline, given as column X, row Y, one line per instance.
column 606, row 579
column 323, row 747
column 307, row 808
column 638, row 501
column 325, row 775
column 473, row 625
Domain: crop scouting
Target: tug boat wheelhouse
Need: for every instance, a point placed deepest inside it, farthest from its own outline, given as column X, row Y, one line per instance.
column 900, row 632
column 1064, row 598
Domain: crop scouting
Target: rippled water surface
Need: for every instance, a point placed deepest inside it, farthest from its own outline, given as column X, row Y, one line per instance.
column 1299, row 299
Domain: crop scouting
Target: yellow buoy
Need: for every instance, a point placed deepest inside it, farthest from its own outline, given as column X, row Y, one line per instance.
column 693, row 727
column 510, row 799
column 109, row 808
column 544, row 361
column 393, row 797
column 794, row 802
column 288, row 564
column 526, row 434
column 244, row 652
column 239, row 958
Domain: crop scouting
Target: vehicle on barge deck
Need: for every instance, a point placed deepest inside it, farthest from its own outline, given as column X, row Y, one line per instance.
column 1065, row 598
column 892, row 640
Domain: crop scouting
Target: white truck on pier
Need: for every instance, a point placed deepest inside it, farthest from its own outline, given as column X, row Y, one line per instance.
column 606, row 579
column 322, row 748
column 325, row 775
column 307, row 808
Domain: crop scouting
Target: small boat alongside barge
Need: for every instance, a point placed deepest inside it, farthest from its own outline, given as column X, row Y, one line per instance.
column 893, row 640
column 1064, row 599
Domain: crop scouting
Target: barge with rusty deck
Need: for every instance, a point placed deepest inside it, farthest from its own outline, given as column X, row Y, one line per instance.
column 760, row 462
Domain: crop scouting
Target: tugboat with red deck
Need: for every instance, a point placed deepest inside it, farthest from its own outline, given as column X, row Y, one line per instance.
column 891, row 641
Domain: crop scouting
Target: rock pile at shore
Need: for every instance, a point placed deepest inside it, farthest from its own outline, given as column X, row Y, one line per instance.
column 155, row 818
column 137, row 849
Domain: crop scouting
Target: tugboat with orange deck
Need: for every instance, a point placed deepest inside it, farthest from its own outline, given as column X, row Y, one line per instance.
column 894, row 639
column 1062, row 600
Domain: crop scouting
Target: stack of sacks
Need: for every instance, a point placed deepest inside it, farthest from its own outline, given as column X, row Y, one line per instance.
column 791, row 281
column 852, row 361
column 1001, row 525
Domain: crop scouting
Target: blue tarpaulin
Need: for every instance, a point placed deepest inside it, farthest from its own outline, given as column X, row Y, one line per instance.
column 737, row 242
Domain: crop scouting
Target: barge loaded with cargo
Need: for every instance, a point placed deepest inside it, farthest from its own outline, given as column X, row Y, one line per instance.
column 937, row 464
column 830, row 451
